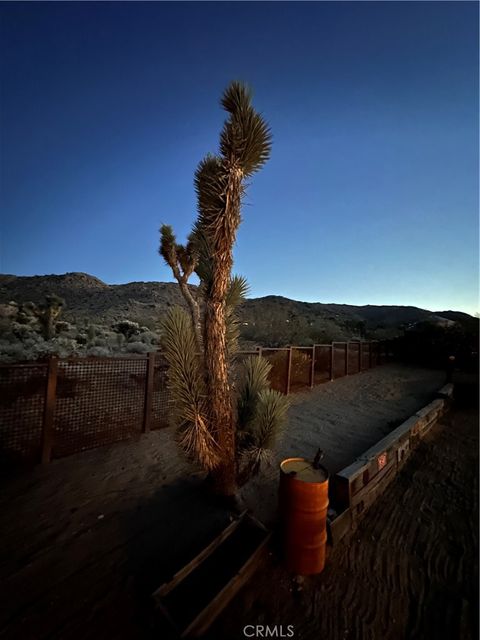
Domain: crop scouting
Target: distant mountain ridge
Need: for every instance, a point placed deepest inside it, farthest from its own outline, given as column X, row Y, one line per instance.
column 88, row 298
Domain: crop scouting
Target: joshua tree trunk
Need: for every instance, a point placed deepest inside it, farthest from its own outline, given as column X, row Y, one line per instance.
column 49, row 324
column 221, row 410
column 216, row 355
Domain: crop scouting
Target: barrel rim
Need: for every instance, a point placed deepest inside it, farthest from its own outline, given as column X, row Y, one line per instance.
column 297, row 458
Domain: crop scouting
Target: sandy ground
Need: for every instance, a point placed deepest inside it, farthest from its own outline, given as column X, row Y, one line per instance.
column 410, row 570
column 86, row 539
column 343, row 418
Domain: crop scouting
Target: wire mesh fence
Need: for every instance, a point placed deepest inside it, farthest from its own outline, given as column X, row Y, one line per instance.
column 22, row 403
column 339, row 359
column 97, row 402
column 323, row 363
column 279, row 359
column 50, row 412
column 301, row 368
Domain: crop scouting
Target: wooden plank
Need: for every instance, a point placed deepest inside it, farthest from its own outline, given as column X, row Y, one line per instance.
column 446, row 391
column 49, row 410
column 430, row 409
column 346, row 358
column 206, row 618
column 199, row 558
column 339, row 527
column 403, row 452
column 367, row 496
column 332, row 354
column 150, row 372
column 346, row 483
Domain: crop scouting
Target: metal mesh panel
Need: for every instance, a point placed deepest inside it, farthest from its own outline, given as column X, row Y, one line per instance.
column 161, row 400
column 365, row 355
column 98, row 402
column 322, row 363
column 381, row 353
column 278, row 358
column 22, row 397
column 339, row 359
column 374, row 352
column 301, row 368
column 353, row 352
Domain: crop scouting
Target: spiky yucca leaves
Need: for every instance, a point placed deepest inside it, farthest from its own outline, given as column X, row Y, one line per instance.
column 186, row 383
column 181, row 259
column 253, row 379
column 236, row 294
column 245, row 140
column 262, row 432
column 199, row 239
column 211, row 181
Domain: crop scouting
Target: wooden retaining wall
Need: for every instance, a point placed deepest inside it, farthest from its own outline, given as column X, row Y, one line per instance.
column 355, row 488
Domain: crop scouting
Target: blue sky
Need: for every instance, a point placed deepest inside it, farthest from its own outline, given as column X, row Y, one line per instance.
column 371, row 193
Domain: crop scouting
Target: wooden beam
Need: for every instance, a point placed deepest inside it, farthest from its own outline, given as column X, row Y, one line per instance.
column 199, row 558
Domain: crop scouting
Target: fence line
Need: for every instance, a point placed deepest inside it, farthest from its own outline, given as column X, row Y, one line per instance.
column 53, row 409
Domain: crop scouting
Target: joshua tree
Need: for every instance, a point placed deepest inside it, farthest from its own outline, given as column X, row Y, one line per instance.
column 229, row 437
column 46, row 313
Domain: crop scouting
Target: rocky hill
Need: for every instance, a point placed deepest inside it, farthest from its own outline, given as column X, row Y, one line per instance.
column 270, row 321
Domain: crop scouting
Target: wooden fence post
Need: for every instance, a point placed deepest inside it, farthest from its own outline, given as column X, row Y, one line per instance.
column 289, row 370
column 332, row 353
column 346, row 358
column 359, row 356
column 147, row 413
column 312, row 369
column 370, row 354
column 48, row 432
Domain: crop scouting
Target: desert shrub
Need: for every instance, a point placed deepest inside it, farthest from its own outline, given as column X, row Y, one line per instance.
column 91, row 333
column 148, row 337
column 62, row 347
column 9, row 310
column 138, row 347
column 15, row 352
column 63, row 326
column 119, row 340
column 100, row 352
column 127, row 328
column 21, row 331
column 100, row 341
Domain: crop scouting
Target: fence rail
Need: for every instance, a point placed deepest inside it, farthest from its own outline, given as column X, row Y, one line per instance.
column 53, row 409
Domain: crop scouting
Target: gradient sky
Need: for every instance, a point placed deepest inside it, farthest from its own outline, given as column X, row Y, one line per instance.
column 371, row 193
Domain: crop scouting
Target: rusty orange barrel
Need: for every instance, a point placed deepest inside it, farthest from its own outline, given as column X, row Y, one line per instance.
column 303, row 510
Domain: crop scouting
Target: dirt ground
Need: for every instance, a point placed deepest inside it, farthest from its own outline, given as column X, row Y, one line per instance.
column 87, row 539
column 409, row 571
